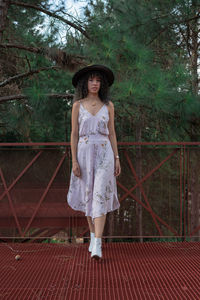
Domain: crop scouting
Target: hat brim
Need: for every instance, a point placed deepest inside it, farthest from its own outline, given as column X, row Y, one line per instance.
column 108, row 73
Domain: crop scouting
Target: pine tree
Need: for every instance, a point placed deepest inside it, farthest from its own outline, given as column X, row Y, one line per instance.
column 144, row 42
column 35, row 72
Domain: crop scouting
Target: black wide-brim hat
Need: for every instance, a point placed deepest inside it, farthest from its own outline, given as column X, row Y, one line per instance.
column 100, row 68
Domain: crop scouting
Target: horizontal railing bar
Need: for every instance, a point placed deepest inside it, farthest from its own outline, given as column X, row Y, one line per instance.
column 36, row 144
column 107, row 236
column 119, row 143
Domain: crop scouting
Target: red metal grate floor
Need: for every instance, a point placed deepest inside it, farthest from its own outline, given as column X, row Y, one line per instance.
column 127, row 271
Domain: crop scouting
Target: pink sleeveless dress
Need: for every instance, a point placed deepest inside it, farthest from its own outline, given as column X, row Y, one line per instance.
column 95, row 192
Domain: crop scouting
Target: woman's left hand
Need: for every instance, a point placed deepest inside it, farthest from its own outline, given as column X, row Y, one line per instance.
column 117, row 168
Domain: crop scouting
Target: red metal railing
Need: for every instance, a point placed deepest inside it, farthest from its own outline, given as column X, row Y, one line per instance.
column 159, row 178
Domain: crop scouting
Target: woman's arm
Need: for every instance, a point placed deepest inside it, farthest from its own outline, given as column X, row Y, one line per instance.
column 112, row 137
column 74, row 138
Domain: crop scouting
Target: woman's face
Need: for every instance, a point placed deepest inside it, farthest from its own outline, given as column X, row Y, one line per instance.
column 94, row 84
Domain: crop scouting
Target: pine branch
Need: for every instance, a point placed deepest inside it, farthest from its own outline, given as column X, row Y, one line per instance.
column 64, row 60
column 51, row 14
column 197, row 16
column 154, row 38
column 30, row 49
column 4, row 99
column 171, row 24
column 28, row 62
column 23, row 75
column 185, row 39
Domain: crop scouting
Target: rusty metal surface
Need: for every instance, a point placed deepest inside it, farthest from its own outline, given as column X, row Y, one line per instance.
column 163, row 182
column 127, row 271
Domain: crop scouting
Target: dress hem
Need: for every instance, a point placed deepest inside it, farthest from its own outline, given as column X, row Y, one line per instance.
column 109, row 210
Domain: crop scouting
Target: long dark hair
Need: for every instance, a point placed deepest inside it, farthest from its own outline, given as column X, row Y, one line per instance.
column 82, row 87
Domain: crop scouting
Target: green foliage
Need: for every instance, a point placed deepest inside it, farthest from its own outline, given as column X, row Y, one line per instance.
column 37, row 118
column 140, row 40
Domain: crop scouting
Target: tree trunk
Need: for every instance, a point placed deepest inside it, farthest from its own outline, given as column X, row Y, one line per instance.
column 194, row 181
column 194, row 55
column 3, row 14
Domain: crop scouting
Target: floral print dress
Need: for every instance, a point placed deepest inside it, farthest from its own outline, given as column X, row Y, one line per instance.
column 95, row 192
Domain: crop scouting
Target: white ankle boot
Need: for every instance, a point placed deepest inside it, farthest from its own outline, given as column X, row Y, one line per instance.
column 92, row 236
column 96, row 250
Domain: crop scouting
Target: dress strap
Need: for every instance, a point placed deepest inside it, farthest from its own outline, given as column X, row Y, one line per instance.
column 80, row 103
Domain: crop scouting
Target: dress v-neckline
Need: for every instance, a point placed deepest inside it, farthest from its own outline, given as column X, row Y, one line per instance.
column 90, row 112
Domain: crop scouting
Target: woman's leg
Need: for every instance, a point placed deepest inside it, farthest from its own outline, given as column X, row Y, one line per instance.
column 92, row 234
column 99, row 223
column 91, row 225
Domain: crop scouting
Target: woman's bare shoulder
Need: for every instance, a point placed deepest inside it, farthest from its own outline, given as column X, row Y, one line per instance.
column 110, row 105
column 76, row 105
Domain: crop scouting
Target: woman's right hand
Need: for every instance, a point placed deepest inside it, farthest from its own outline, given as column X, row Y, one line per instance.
column 76, row 169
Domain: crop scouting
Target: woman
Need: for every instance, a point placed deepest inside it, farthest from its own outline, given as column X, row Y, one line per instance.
column 95, row 159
